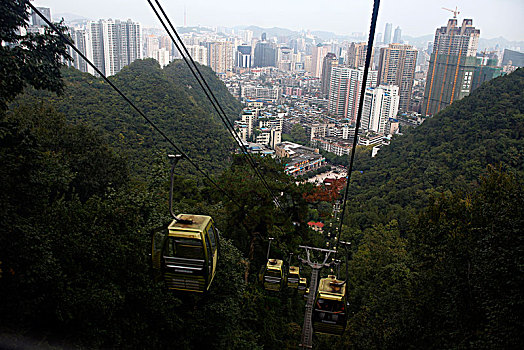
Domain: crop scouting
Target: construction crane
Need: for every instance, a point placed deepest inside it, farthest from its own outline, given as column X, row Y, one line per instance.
column 455, row 11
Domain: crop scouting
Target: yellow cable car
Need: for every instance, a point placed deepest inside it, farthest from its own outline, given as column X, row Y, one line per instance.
column 306, row 294
column 293, row 277
column 329, row 313
column 186, row 255
column 273, row 275
column 302, row 285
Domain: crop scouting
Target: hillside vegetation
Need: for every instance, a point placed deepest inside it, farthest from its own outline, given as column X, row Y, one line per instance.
column 435, row 220
column 170, row 97
column 449, row 152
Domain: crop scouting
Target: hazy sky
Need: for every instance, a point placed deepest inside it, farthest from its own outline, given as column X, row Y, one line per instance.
column 494, row 18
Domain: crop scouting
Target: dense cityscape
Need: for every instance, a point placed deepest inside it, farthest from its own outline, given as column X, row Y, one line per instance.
column 309, row 84
column 290, row 188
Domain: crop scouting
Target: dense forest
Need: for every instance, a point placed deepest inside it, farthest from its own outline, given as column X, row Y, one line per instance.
column 435, row 218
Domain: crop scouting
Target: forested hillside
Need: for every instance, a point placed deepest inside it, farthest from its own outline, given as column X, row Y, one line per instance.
column 448, row 152
column 435, row 220
column 170, row 97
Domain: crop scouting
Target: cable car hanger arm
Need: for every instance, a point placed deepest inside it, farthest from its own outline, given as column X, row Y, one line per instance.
column 175, row 158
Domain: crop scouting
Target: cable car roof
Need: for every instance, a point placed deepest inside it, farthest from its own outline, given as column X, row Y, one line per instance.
column 274, row 264
column 198, row 225
column 331, row 288
column 294, row 269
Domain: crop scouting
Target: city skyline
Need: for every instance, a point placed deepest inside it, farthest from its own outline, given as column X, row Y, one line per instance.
column 415, row 18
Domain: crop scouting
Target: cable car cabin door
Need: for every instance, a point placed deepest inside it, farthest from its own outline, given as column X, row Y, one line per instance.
column 157, row 243
column 211, row 238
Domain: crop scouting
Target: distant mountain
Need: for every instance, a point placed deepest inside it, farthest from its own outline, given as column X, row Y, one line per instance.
column 275, row 31
column 501, row 42
column 69, row 17
column 418, row 41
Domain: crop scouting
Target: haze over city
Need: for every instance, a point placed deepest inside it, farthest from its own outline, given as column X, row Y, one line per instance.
column 416, row 18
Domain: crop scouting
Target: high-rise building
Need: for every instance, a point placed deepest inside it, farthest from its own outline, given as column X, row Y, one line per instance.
column 37, row 20
column 265, row 54
column 247, row 36
column 162, row 56
column 356, row 56
column 380, row 104
column 451, row 65
column 152, row 44
column 344, row 90
column 387, row 33
column 220, row 56
column 329, row 62
column 337, row 99
column 354, row 89
column 515, row 58
column 198, row 53
column 317, row 58
column 397, row 37
column 285, row 58
column 243, row 57
column 397, row 67
column 486, row 70
column 79, row 38
column 112, row 44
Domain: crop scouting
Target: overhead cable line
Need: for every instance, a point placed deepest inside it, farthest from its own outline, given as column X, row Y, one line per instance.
column 369, row 51
column 209, row 93
column 155, row 127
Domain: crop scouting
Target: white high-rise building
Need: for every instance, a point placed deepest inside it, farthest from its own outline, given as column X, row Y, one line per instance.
column 198, row 53
column 338, row 86
column 220, row 56
column 380, row 104
column 152, row 44
column 344, row 90
column 162, row 56
column 356, row 76
column 79, row 38
column 317, row 59
column 112, row 44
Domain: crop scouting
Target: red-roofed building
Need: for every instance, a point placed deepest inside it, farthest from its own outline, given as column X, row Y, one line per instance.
column 316, row 226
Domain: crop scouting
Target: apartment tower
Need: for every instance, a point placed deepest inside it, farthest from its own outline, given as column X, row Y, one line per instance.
column 397, row 67
column 329, row 62
column 451, row 65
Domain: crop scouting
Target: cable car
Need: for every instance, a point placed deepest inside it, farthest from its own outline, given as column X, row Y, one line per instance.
column 329, row 313
column 306, row 294
column 186, row 255
column 293, row 277
column 273, row 275
column 302, row 285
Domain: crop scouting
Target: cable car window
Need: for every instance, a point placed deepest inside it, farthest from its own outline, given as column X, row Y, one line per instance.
column 187, row 248
column 210, row 255
column 330, row 305
column 212, row 237
column 273, row 273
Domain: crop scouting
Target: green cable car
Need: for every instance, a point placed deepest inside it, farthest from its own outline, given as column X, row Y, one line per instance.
column 329, row 313
column 186, row 255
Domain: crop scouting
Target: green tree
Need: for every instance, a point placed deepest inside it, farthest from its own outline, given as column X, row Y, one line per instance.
column 32, row 59
column 298, row 134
